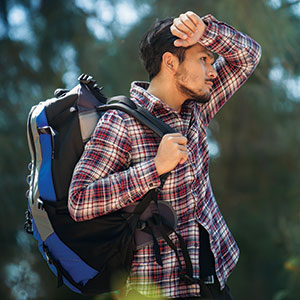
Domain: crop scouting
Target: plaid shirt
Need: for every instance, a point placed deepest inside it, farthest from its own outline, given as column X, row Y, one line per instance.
column 117, row 168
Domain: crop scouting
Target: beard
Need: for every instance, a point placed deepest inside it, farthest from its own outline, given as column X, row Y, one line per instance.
column 198, row 96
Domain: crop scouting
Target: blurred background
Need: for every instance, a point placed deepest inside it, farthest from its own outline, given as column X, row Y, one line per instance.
column 254, row 141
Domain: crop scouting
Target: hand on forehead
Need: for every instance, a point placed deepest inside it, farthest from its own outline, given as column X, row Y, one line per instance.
column 189, row 28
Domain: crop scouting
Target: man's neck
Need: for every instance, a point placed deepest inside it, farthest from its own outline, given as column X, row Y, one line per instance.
column 166, row 92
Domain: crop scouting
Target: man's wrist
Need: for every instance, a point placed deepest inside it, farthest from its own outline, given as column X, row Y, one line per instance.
column 211, row 32
column 203, row 29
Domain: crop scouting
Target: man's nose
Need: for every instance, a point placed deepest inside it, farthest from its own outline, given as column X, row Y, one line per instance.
column 212, row 73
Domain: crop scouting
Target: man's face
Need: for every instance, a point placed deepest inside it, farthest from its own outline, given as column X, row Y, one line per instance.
column 195, row 75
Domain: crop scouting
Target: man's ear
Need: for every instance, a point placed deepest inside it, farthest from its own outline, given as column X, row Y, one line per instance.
column 170, row 62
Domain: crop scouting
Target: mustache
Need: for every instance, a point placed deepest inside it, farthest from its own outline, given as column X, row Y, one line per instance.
column 210, row 80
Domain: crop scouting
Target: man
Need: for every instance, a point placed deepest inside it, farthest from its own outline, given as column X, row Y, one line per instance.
column 124, row 159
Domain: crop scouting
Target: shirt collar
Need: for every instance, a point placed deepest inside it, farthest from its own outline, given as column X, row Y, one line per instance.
column 139, row 92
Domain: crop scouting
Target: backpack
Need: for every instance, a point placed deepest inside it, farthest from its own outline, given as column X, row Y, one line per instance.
column 94, row 256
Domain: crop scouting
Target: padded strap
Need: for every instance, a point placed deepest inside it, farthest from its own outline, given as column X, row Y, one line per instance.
column 121, row 99
column 139, row 113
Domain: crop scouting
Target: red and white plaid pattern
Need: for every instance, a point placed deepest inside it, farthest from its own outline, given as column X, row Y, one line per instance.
column 117, row 168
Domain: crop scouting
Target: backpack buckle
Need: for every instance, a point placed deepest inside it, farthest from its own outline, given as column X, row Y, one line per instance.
column 47, row 254
column 141, row 225
column 40, row 203
column 209, row 279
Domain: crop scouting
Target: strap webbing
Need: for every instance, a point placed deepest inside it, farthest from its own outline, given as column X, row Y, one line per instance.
column 60, row 270
column 157, row 222
column 141, row 114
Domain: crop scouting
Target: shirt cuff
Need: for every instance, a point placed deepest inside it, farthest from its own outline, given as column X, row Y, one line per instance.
column 147, row 175
column 211, row 33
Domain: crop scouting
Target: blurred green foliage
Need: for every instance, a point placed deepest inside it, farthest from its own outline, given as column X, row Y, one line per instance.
column 255, row 171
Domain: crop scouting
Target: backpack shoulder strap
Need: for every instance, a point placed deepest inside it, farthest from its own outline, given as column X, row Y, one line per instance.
column 138, row 112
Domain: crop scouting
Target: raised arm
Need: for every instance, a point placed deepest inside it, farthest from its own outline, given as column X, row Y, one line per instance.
column 238, row 55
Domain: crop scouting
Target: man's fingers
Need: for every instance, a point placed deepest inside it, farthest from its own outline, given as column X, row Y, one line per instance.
column 194, row 18
column 178, row 139
column 183, row 160
column 184, row 18
column 169, row 135
column 181, row 43
column 183, row 154
column 183, row 149
column 184, row 157
column 182, row 27
column 175, row 31
column 188, row 27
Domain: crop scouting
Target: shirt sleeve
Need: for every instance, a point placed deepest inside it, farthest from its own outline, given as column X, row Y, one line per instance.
column 238, row 57
column 103, row 180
